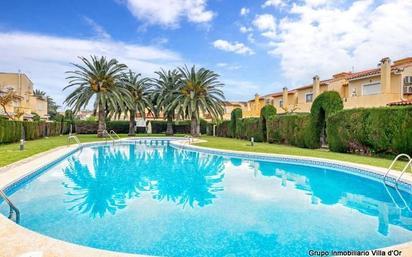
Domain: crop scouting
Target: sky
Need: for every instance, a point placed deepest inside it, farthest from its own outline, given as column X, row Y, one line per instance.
column 256, row 46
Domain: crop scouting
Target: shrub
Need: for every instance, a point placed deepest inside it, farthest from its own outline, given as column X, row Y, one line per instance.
column 371, row 131
column 288, row 129
column 234, row 117
column 248, row 128
column 10, row 131
column 85, row 127
column 325, row 104
column 119, row 126
column 265, row 113
column 222, row 129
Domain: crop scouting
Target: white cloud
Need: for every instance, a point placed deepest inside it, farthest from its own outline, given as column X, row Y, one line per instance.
column 45, row 59
column 244, row 11
column 240, row 89
column 266, row 23
column 169, row 12
column 245, row 29
column 274, row 3
column 235, row 47
column 324, row 39
column 228, row 66
column 98, row 30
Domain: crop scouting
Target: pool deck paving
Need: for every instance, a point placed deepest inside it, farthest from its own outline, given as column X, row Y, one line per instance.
column 17, row 241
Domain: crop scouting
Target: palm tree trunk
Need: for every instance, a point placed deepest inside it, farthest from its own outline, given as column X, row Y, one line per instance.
column 169, row 126
column 198, row 128
column 132, row 123
column 193, row 126
column 102, row 121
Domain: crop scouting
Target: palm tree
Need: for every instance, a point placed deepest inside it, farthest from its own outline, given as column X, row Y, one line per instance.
column 39, row 94
column 199, row 92
column 140, row 92
column 7, row 98
column 99, row 78
column 166, row 90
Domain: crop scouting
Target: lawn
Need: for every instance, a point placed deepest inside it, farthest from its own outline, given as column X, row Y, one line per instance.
column 242, row 145
column 10, row 153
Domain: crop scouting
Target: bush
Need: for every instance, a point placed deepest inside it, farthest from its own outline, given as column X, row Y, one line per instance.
column 10, row 131
column 288, row 129
column 119, row 126
column 234, row 118
column 85, row 127
column 371, row 131
column 248, row 128
column 265, row 113
column 325, row 104
column 222, row 129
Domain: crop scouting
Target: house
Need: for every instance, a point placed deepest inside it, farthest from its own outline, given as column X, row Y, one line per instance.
column 387, row 85
column 28, row 104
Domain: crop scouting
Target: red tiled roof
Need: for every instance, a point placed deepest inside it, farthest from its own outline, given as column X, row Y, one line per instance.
column 364, row 73
column 400, row 103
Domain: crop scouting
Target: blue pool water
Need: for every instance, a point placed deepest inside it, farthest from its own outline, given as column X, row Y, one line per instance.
column 162, row 201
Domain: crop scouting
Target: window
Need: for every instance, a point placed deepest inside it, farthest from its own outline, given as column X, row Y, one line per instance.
column 371, row 89
column 267, row 101
column 309, row 97
column 280, row 103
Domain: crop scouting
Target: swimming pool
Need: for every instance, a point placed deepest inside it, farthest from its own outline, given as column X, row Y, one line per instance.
column 155, row 199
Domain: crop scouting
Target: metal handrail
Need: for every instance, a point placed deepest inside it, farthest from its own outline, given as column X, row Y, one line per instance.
column 74, row 138
column 13, row 208
column 114, row 133
column 108, row 135
column 408, row 164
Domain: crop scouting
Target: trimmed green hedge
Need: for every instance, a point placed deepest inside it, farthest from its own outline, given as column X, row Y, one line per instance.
column 371, row 131
column 325, row 104
column 248, row 128
column 158, row 127
column 10, row 131
column 235, row 115
column 265, row 113
column 222, row 129
column 289, row 129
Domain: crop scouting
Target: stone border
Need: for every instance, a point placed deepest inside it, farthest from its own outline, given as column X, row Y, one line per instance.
column 16, row 240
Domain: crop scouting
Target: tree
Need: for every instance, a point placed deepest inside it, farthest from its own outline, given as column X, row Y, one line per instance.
column 7, row 98
column 99, row 78
column 166, row 89
column 52, row 108
column 140, row 93
column 39, row 94
column 199, row 91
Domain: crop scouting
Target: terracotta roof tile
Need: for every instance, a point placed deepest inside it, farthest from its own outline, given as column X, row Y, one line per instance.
column 400, row 103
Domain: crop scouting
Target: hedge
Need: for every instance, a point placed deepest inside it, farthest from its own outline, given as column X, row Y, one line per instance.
column 158, row 127
column 235, row 115
column 248, row 128
column 11, row 131
column 265, row 113
column 323, row 106
column 222, row 129
column 386, row 130
column 289, row 129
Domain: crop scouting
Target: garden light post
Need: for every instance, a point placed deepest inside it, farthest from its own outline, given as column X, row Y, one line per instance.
column 22, row 139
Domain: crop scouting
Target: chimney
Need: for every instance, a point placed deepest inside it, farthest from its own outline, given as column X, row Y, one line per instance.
column 316, row 86
column 256, row 102
column 285, row 98
column 385, row 64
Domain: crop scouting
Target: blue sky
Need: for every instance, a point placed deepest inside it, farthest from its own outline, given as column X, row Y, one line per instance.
column 257, row 46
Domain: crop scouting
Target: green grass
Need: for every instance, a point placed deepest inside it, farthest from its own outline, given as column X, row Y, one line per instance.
column 242, row 145
column 10, row 153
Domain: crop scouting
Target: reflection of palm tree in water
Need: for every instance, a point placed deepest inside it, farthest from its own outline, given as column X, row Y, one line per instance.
column 117, row 176
column 189, row 178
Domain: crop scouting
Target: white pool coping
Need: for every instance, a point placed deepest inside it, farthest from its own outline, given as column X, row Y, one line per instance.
column 16, row 240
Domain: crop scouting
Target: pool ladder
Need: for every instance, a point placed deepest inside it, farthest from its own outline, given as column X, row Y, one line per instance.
column 14, row 213
column 110, row 135
column 408, row 164
column 76, row 139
